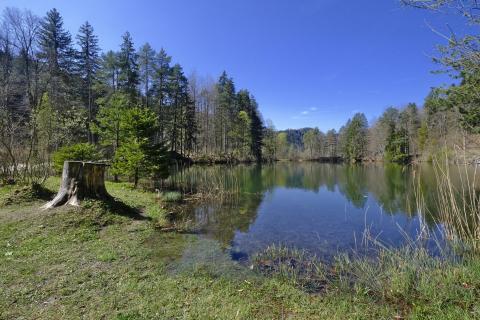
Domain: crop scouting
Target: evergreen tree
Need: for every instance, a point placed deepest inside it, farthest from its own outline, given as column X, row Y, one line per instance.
column 128, row 78
column 410, row 123
column 88, row 65
column 139, row 155
column 146, row 60
column 396, row 149
column 179, row 99
column 190, row 126
column 109, row 70
column 56, row 45
column 161, row 77
column 226, row 111
column 355, row 137
column 256, row 130
column 269, row 142
column 58, row 55
column 109, row 126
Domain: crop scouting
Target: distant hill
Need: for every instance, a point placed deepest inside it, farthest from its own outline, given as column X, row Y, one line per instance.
column 295, row 136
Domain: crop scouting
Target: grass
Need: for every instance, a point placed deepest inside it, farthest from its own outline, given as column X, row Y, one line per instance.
column 172, row 196
column 459, row 204
column 409, row 282
column 98, row 262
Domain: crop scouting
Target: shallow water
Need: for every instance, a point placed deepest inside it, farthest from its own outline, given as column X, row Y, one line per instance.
column 323, row 208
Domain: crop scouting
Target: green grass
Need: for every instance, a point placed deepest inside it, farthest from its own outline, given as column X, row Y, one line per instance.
column 172, row 196
column 97, row 262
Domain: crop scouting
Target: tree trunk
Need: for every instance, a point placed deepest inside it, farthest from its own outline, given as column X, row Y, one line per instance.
column 80, row 180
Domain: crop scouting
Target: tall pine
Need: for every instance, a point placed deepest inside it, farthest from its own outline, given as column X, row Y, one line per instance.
column 128, row 78
column 88, row 65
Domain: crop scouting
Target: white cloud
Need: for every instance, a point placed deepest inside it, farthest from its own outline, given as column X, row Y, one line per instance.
column 304, row 112
column 313, row 109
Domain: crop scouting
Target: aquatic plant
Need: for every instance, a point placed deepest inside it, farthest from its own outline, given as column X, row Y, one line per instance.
column 457, row 204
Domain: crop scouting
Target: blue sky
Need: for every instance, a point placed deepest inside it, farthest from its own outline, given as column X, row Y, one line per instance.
column 308, row 63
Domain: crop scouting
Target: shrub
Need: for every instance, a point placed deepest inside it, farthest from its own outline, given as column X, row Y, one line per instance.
column 79, row 152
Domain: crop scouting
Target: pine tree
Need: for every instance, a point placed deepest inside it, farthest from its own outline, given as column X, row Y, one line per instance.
column 109, row 120
column 256, row 130
column 269, row 142
column 179, row 100
column 161, row 77
column 139, row 155
column 58, row 54
column 226, row 111
column 109, row 70
column 190, row 126
column 88, row 65
column 56, row 45
column 247, row 103
column 128, row 78
column 354, row 137
column 146, row 60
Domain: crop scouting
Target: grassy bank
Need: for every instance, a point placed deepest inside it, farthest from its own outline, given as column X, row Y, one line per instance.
column 111, row 261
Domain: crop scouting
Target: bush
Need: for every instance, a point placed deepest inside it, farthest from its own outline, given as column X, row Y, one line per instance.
column 79, row 152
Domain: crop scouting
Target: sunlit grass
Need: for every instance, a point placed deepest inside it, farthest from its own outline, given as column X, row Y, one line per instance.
column 93, row 262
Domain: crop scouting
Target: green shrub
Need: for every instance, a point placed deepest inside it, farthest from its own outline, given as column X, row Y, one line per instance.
column 80, row 152
column 172, row 196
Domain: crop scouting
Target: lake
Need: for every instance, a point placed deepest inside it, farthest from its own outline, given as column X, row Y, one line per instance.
column 322, row 208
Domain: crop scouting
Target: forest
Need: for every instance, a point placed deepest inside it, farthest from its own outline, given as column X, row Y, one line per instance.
column 376, row 219
column 62, row 97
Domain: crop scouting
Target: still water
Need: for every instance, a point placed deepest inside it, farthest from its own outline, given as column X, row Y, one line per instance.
column 322, row 208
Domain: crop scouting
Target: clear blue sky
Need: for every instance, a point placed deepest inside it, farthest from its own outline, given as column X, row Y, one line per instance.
column 309, row 63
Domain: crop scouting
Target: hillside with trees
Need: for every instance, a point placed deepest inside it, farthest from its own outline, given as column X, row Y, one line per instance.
column 136, row 106
column 133, row 105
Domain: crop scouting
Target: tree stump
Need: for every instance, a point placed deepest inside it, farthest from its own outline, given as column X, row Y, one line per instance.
column 80, row 180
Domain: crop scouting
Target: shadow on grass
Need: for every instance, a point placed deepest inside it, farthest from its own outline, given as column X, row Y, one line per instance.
column 120, row 208
column 28, row 193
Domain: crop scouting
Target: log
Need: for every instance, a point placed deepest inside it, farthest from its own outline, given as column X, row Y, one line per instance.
column 80, row 180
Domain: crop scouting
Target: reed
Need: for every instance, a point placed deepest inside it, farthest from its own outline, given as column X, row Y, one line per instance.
column 206, row 183
column 457, row 204
column 171, row 196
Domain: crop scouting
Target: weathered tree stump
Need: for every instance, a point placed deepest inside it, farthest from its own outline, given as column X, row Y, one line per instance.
column 80, row 180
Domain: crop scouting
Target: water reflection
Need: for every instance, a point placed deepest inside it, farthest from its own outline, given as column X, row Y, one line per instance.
column 323, row 208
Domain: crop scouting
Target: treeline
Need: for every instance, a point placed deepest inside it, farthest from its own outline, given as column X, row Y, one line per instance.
column 61, row 97
column 447, row 126
column 133, row 106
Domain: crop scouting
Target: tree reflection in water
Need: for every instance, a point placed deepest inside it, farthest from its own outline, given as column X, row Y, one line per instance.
column 323, row 208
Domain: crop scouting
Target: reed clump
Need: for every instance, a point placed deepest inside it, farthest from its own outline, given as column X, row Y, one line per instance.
column 459, row 204
column 456, row 209
column 171, row 196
